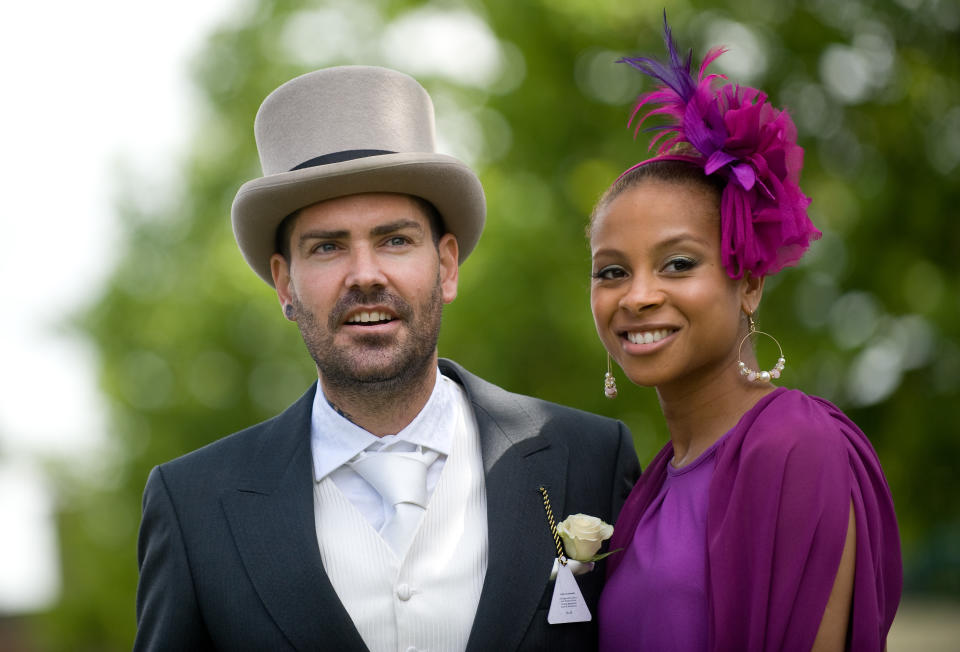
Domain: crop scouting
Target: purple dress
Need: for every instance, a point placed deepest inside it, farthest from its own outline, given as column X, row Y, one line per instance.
column 663, row 572
column 777, row 506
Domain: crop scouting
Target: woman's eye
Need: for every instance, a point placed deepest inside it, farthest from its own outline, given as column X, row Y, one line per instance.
column 609, row 273
column 681, row 264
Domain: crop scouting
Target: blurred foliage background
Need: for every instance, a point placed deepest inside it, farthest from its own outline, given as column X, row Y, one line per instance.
column 192, row 346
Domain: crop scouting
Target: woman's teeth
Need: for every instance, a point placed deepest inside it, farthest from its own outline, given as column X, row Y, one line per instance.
column 648, row 337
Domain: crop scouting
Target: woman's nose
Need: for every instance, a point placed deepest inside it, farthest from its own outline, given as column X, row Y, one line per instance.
column 644, row 292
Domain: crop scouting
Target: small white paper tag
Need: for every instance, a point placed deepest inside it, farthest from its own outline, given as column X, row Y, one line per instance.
column 567, row 604
column 576, row 567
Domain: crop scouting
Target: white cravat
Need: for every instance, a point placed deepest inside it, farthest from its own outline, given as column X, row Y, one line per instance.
column 401, row 479
column 335, row 441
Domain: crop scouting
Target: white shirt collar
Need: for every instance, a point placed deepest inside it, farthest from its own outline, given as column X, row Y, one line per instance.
column 334, row 440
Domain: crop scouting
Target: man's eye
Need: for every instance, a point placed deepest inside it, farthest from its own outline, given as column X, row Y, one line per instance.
column 325, row 248
column 397, row 241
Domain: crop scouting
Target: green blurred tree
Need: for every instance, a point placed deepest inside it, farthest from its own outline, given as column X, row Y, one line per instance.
column 192, row 345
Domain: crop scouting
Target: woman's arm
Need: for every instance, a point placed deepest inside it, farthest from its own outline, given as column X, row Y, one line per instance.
column 832, row 634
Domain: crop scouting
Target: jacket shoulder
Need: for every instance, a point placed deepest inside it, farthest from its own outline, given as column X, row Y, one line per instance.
column 226, row 457
column 506, row 406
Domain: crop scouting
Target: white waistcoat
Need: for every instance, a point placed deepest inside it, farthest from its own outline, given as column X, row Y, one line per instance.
column 428, row 600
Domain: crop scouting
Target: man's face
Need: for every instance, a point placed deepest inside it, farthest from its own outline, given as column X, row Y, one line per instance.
column 367, row 286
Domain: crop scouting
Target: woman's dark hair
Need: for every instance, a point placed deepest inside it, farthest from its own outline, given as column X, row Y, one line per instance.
column 669, row 170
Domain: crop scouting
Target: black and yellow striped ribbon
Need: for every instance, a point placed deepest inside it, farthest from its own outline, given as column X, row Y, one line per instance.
column 553, row 527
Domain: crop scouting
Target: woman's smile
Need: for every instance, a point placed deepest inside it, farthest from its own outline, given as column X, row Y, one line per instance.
column 644, row 341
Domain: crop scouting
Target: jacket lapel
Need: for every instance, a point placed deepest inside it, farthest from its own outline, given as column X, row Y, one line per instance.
column 271, row 517
column 517, row 461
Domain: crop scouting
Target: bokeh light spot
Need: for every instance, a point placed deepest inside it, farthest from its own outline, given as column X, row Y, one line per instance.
column 212, row 379
column 146, row 380
column 853, row 319
column 923, row 287
column 874, row 375
column 845, row 73
column 746, row 56
column 455, row 44
column 599, row 77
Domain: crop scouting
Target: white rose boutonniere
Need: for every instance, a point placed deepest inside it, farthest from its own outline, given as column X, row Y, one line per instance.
column 582, row 536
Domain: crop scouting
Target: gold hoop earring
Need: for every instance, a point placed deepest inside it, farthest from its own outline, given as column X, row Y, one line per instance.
column 752, row 375
column 609, row 382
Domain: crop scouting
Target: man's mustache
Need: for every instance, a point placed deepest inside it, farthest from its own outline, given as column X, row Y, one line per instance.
column 355, row 298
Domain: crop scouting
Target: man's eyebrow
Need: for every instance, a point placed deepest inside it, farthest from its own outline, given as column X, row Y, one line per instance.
column 323, row 235
column 393, row 227
column 343, row 234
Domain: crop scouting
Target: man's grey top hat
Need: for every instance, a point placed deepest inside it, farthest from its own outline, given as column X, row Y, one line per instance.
column 343, row 131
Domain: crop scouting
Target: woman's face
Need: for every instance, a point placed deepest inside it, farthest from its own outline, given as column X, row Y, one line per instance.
column 662, row 302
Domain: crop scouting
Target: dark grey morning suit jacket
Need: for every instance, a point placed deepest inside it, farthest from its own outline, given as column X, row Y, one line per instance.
column 228, row 551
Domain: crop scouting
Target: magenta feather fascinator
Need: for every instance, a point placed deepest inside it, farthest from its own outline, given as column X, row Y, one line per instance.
column 732, row 131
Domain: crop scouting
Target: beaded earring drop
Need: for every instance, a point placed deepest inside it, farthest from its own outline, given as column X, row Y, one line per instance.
column 609, row 382
column 753, row 375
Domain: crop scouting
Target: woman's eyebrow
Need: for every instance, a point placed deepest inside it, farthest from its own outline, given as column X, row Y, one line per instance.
column 681, row 239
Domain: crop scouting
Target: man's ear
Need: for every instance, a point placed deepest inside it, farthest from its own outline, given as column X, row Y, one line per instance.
column 751, row 292
column 280, row 270
column 449, row 250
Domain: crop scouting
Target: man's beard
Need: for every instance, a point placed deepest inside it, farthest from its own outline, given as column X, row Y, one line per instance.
column 373, row 366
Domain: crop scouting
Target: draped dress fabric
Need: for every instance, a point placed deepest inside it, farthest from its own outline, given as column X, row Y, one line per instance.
column 778, row 503
column 663, row 573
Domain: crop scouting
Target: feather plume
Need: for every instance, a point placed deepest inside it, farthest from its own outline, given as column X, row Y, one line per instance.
column 740, row 136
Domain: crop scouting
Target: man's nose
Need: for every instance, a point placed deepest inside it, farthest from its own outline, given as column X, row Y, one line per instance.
column 366, row 269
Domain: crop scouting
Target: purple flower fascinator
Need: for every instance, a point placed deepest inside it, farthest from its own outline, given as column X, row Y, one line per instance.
column 732, row 131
